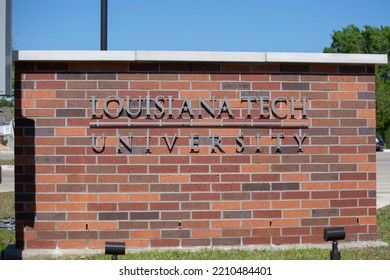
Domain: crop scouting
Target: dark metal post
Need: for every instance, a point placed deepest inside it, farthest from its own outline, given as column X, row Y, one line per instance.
column 103, row 26
column 335, row 254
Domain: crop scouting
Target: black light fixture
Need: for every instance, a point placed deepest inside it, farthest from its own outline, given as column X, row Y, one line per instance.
column 334, row 234
column 115, row 249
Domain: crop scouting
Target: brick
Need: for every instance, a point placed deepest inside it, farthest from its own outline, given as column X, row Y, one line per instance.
column 237, row 214
column 164, row 206
column 144, row 215
column 267, row 214
column 256, row 241
column 285, row 240
column 265, row 232
column 295, row 86
column 82, row 216
column 50, row 84
column 195, row 205
column 324, row 176
column 226, row 241
column 266, row 85
column 236, row 86
column 176, row 233
column 285, row 186
column 116, row 235
column 144, row 85
column 325, row 212
column 353, row 86
column 175, row 178
column 104, row 216
column 206, row 215
column 165, row 243
column 256, row 187
column 133, row 225
column 39, row 244
column 133, row 206
column 145, row 234
column 226, row 205
column 225, row 224
column 196, row 199
column 205, row 233
column 324, row 86
column 72, row 244
column 176, row 85
column 82, row 234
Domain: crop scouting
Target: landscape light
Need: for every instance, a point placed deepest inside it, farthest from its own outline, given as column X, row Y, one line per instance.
column 115, row 249
column 334, row 234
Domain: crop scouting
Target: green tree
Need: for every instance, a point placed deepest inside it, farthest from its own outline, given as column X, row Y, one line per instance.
column 370, row 40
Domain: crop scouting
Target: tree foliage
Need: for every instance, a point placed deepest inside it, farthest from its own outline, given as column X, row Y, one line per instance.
column 369, row 40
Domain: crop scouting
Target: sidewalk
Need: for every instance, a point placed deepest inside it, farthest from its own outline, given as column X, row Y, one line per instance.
column 8, row 178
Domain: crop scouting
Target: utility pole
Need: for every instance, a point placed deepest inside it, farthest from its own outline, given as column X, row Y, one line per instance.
column 5, row 48
column 103, row 25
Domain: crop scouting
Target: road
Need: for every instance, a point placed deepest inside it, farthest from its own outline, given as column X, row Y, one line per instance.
column 383, row 177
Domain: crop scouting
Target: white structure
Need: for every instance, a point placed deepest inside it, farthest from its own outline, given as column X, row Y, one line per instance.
column 6, row 131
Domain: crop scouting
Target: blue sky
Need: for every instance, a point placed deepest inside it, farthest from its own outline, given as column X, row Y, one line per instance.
column 197, row 25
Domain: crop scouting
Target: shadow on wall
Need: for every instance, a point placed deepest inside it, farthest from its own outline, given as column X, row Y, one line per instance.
column 25, row 174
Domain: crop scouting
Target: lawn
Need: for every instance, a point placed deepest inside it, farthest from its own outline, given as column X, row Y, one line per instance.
column 7, row 210
column 380, row 253
column 7, row 161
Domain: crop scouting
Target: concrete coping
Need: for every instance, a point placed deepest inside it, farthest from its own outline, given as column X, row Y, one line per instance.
column 198, row 56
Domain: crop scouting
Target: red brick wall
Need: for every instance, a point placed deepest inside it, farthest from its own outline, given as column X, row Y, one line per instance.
column 69, row 195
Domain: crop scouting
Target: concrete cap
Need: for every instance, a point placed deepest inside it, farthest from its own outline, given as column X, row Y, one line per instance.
column 199, row 56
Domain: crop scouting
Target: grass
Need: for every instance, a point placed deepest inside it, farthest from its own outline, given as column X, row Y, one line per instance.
column 380, row 253
column 6, row 237
column 7, row 205
column 7, row 210
column 7, row 162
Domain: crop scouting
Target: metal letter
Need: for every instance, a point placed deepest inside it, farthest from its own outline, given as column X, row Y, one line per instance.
column 304, row 107
column 292, row 107
column 170, row 113
column 94, row 114
column 147, row 151
column 96, row 148
column 300, row 140
column 225, row 107
column 159, row 107
column 147, row 107
column 128, row 110
column 278, row 137
column 273, row 107
column 119, row 110
column 258, row 142
column 194, row 142
column 262, row 106
column 186, row 107
column 216, row 142
column 203, row 104
column 127, row 145
column 169, row 144
column 249, row 100
column 240, row 143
